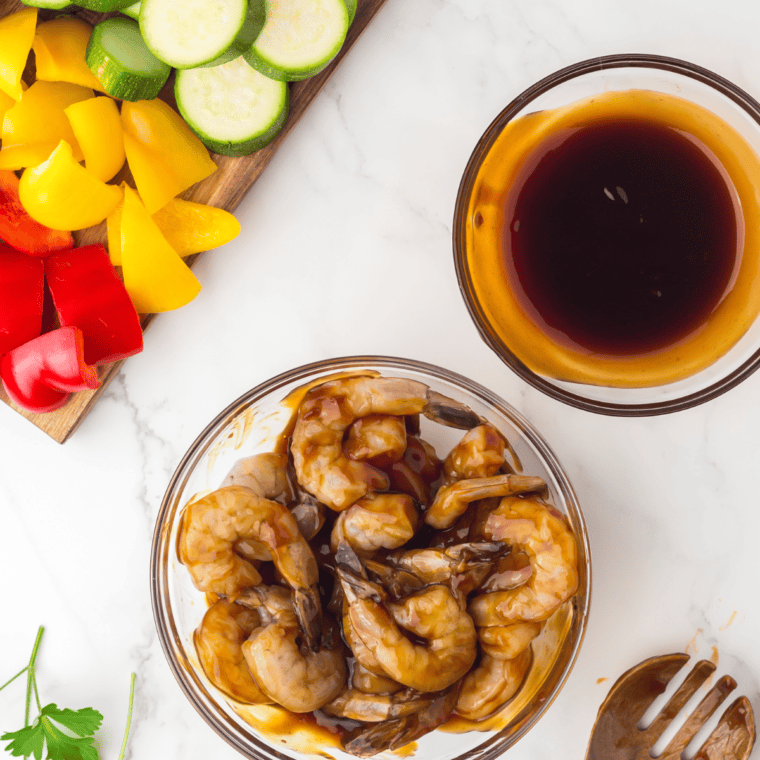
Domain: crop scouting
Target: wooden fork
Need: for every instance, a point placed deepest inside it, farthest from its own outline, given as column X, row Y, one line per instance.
column 616, row 735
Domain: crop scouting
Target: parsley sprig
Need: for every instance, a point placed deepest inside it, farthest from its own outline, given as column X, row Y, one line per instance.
column 66, row 734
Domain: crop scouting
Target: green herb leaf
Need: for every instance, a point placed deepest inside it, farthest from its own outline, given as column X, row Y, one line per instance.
column 60, row 744
column 28, row 741
column 65, row 734
column 84, row 722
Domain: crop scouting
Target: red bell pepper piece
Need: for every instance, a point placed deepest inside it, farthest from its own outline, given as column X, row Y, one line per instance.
column 88, row 294
column 39, row 375
column 21, row 288
column 19, row 230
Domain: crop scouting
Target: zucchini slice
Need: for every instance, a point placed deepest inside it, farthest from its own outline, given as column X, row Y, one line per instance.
column 351, row 5
column 190, row 33
column 255, row 19
column 232, row 108
column 133, row 11
column 121, row 61
column 55, row 5
column 300, row 37
column 104, row 6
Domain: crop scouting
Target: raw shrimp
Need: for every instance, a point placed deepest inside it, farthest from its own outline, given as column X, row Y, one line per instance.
column 505, row 642
column 491, row 685
column 370, row 683
column 379, row 437
column 463, row 566
column 541, row 533
column 267, row 476
column 212, row 526
column 374, row 708
column 452, row 500
column 376, row 521
column 433, row 614
column 328, row 410
column 395, row 733
column 218, row 639
column 299, row 679
column 480, row 454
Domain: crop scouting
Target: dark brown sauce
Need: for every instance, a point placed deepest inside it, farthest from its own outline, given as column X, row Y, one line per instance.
column 621, row 235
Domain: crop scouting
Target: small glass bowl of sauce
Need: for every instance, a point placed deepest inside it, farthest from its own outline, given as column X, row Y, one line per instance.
column 607, row 235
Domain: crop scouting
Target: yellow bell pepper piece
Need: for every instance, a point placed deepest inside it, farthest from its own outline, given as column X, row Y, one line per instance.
column 165, row 157
column 35, row 125
column 156, row 278
column 16, row 35
column 113, row 231
column 97, row 127
column 59, row 49
column 60, row 193
column 193, row 227
column 6, row 103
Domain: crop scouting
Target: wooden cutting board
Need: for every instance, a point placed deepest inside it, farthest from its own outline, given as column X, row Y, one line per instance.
column 225, row 188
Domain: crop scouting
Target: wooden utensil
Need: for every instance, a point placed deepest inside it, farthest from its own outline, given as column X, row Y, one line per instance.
column 225, row 188
column 617, row 736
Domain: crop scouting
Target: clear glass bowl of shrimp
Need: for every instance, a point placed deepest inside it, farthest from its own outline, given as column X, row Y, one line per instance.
column 261, row 422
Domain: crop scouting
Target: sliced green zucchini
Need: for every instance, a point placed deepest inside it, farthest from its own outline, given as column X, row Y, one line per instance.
column 120, row 59
column 232, row 108
column 55, row 5
column 190, row 33
column 351, row 5
column 104, row 6
column 254, row 22
column 300, row 37
column 133, row 11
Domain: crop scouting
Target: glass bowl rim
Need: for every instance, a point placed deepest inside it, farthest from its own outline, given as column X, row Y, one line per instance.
column 490, row 748
column 600, row 63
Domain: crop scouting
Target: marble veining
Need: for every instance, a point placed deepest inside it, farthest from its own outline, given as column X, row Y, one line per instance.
column 346, row 248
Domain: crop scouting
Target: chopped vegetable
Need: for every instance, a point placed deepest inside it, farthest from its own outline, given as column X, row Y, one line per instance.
column 299, row 39
column 194, row 227
column 63, row 194
column 155, row 276
column 55, row 5
column 351, row 5
column 16, row 35
column 255, row 19
column 104, row 6
column 188, row 228
column 165, row 157
column 6, row 102
column 113, row 232
column 59, row 48
column 133, row 11
column 88, row 294
column 35, row 125
column 121, row 61
column 76, row 742
column 201, row 33
column 22, row 280
column 97, row 127
column 19, row 230
column 233, row 108
column 39, row 375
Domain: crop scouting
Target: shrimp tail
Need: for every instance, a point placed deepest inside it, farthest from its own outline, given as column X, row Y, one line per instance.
column 346, row 557
column 397, row 581
column 355, row 587
column 394, row 733
column 446, row 411
column 309, row 616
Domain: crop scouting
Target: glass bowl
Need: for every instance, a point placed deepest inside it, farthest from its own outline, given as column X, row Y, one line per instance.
column 583, row 81
column 251, row 424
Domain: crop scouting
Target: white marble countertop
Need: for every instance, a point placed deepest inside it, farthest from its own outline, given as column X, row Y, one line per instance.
column 346, row 249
